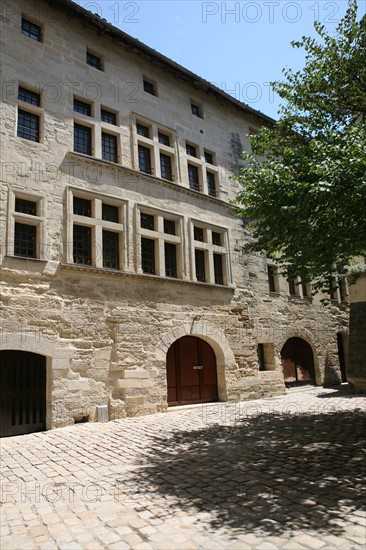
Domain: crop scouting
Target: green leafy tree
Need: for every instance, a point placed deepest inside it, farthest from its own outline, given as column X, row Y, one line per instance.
column 304, row 185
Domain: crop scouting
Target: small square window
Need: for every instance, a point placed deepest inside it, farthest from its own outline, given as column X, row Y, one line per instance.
column 108, row 116
column 191, row 150
column 164, row 139
column 209, row 157
column 198, row 234
column 169, row 227
column 196, row 111
column 82, row 207
column 82, row 139
column 142, row 130
column 29, row 97
column 110, row 213
column 147, row 221
column 31, row 29
column 94, row 61
column 25, row 207
column 28, row 126
column 149, row 87
column 82, row 107
column 216, row 238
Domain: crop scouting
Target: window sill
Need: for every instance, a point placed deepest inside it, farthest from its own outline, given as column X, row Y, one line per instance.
column 28, row 265
column 119, row 273
column 26, row 259
column 300, row 299
column 150, row 177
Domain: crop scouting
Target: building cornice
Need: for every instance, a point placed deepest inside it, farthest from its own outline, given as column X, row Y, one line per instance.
column 79, row 157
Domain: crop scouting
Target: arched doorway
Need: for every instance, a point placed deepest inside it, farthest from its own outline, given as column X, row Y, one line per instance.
column 22, row 392
column 297, row 363
column 341, row 356
column 191, row 372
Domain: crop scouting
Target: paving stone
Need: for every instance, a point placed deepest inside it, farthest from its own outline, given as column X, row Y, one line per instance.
column 179, row 483
column 307, row 540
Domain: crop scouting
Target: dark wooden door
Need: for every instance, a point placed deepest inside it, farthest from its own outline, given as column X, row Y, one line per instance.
column 297, row 363
column 191, row 372
column 22, row 393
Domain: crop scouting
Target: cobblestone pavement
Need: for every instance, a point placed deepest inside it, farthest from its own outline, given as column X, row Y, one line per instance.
column 283, row 472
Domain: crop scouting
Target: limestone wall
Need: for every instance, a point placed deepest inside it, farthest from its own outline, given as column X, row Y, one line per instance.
column 106, row 332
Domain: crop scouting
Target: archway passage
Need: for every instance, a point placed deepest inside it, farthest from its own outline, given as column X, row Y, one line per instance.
column 297, row 363
column 22, row 393
column 191, row 372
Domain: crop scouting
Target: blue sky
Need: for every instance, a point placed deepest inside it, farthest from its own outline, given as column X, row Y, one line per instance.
column 239, row 46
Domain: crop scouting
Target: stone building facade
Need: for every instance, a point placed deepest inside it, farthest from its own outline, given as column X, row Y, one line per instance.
column 125, row 288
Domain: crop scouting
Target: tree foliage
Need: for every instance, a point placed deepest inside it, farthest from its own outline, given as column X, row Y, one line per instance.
column 304, row 185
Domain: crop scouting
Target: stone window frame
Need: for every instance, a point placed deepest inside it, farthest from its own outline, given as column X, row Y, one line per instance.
column 146, row 83
column 340, row 295
column 209, row 250
column 266, row 357
column 98, row 127
column 299, row 290
column 199, row 161
column 155, row 146
column 97, row 225
column 99, row 66
column 109, row 111
column 160, row 238
column 26, row 19
column 38, row 221
column 37, row 110
column 196, row 109
column 272, row 271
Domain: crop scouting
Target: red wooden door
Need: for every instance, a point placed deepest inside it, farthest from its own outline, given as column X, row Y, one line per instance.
column 191, row 372
column 22, row 393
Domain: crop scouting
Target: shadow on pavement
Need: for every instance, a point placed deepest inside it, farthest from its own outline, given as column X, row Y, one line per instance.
column 269, row 473
column 343, row 392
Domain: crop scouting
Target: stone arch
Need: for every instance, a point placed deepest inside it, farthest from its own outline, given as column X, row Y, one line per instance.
column 57, row 359
column 215, row 338
column 309, row 338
